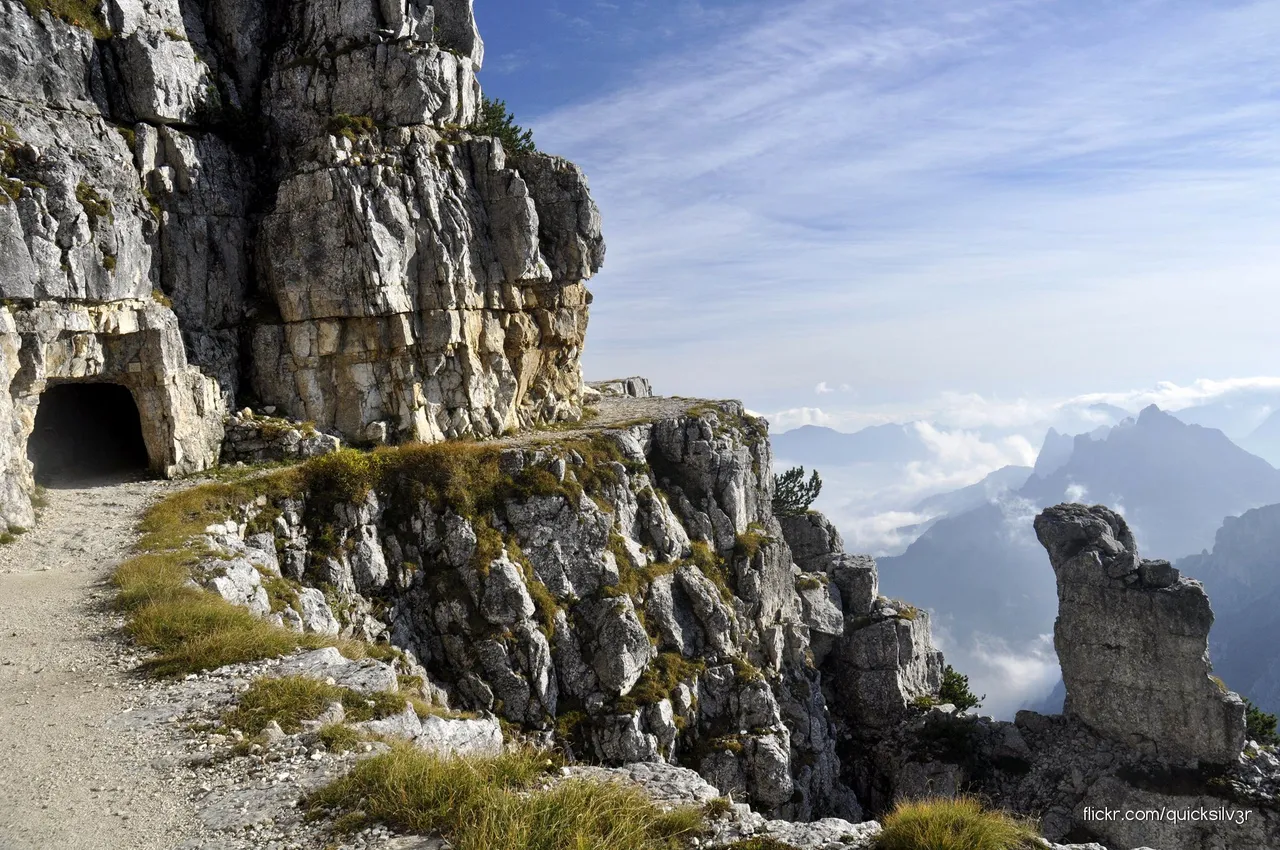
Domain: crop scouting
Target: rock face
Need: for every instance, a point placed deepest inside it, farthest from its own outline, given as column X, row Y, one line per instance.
column 281, row 204
column 252, row 438
column 1241, row 577
column 1132, row 638
column 628, row 596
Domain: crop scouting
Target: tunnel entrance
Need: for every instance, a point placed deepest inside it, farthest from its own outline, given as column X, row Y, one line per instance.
column 85, row 431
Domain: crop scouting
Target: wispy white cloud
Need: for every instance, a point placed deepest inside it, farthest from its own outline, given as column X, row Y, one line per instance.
column 1075, row 414
column 931, row 195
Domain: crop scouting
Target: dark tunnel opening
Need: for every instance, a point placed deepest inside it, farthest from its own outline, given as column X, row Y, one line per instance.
column 85, row 431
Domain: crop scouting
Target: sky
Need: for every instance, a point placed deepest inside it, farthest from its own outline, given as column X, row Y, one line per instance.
column 878, row 211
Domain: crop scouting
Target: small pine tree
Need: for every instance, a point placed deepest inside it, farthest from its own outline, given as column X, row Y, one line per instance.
column 955, row 690
column 792, row 495
column 1259, row 725
column 496, row 120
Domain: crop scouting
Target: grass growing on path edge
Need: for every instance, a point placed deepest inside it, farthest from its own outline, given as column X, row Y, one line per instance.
column 500, row 802
column 190, row 628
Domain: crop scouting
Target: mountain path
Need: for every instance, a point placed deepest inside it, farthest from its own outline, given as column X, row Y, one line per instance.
column 67, row 779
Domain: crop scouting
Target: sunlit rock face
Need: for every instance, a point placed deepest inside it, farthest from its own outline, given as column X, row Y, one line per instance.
column 1132, row 637
column 280, row 204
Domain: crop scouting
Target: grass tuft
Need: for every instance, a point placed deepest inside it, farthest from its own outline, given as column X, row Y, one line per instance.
column 489, row 803
column 352, row 127
column 661, row 678
column 193, row 629
column 339, row 738
column 85, row 14
column 952, row 824
column 290, row 700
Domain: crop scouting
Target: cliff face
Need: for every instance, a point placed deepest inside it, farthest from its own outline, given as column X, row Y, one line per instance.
column 237, row 200
column 625, row 593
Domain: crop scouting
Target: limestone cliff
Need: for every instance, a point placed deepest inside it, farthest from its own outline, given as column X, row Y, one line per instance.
column 1132, row 636
column 277, row 203
column 623, row 592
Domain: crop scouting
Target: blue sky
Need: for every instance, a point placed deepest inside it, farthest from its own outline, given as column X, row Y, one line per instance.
column 845, row 211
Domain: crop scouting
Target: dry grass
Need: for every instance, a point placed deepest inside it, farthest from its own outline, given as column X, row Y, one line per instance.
column 290, row 700
column 85, row 14
column 192, row 629
column 946, row 824
column 487, row 804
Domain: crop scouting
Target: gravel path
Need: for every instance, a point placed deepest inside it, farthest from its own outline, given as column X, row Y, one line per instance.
column 68, row 781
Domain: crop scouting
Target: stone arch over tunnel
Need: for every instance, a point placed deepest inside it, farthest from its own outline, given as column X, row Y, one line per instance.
column 86, row 429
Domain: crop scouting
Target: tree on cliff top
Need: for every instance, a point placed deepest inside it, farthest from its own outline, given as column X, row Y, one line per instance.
column 496, row 120
column 792, row 495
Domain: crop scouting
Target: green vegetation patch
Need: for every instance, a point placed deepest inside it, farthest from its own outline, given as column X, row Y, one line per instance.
column 95, row 206
column 11, row 534
column 85, row 14
column 955, row 690
column 458, row 476
column 497, row 802
column 810, row 582
column 497, row 121
column 749, row 543
column 952, row 824
column 792, row 495
column 339, row 738
column 352, row 127
column 1260, row 726
column 660, row 679
column 713, row 567
column 193, row 629
column 290, row 700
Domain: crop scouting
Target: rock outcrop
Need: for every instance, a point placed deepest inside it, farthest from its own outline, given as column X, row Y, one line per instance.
column 1132, row 638
column 235, row 202
column 254, row 438
column 628, row 596
column 1148, row 736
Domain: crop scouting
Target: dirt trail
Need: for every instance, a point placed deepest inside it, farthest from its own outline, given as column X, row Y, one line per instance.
column 67, row 781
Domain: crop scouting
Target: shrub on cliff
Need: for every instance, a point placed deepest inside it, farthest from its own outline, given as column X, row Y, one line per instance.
column 1259, row 725
column 955, row 690
column 792, row 495
column 959, row 824
column 496, row 120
